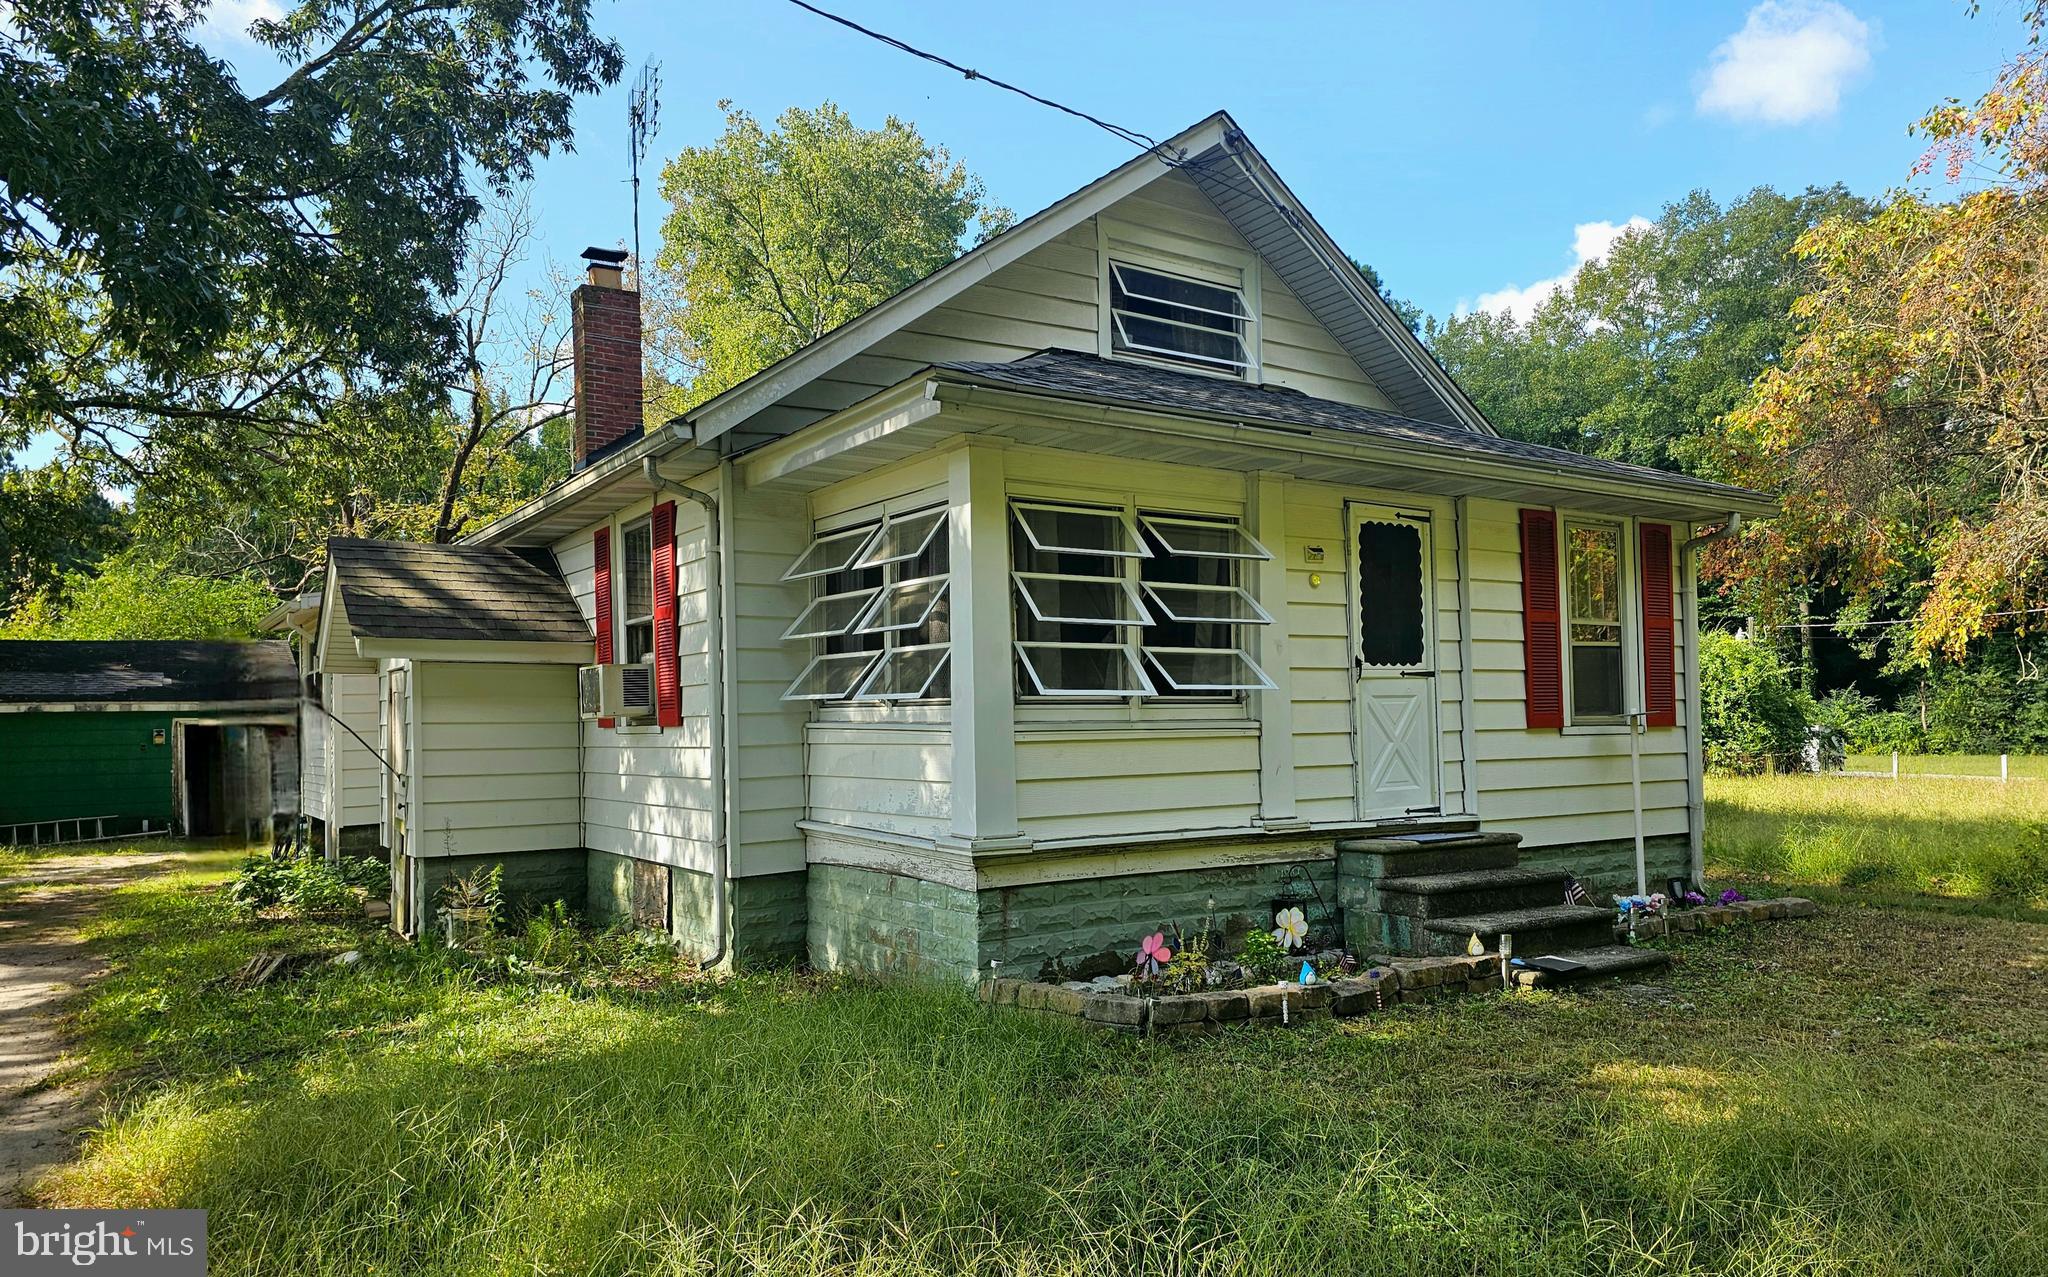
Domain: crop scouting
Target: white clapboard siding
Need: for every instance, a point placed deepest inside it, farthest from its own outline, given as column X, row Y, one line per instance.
column 1554, row 787
column 647, row 791
column 769, row 531
column 495, row 758
column 315, row 796
column 1050, row 299
column 1135, row 780
column 887, row 778
column 356, row 772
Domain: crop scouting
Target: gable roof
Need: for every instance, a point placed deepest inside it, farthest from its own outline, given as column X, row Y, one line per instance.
column 1077, row 375
column 1221, row 160
column 406, row 590
column 50, row 671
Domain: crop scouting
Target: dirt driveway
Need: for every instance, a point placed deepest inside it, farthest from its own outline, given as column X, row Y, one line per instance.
column 43, row 962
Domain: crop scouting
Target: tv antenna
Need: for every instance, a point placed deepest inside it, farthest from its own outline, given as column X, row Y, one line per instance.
column 643, row 121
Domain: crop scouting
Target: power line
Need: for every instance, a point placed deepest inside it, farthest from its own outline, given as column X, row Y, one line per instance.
column 1133, row 136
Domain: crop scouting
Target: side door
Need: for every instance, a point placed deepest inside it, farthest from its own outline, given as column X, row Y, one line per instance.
column 1393, row 659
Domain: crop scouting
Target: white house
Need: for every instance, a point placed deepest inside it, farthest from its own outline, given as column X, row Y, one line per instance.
column 1137, row 567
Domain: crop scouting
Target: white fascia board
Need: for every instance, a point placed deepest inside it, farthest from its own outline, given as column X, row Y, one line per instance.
column 1310, row 441
column 487, row 651
column 877, row 417
column 624, row 462
column 769, row 386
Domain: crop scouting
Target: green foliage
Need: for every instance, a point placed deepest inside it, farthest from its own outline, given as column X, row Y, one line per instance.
column 192, row 274
column 777, row 236
column 1262, row 957
column 481, row 888
column 53, row 520
column 131, row 597
column 1640, row 356
column 300, row 887
column 1752, row 710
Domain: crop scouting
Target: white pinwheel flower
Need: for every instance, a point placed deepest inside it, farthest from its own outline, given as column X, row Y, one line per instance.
column 1290, row 929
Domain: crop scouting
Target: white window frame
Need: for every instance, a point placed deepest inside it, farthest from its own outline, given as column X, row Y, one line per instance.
column 1631, row 620
column 1166, row 610
column 1130, row 525
column 1263, row 683
column 1140, row 614
column 1214, row 264
column 867, row 532
column 1134, row 508
column 1023, row 648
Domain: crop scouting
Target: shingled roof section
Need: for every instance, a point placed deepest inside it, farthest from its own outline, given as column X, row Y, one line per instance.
column 405, row 590
column 60, row 672
column 1072, row 374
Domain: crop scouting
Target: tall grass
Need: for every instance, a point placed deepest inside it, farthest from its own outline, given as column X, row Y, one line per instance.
column 1788, row 1108
column 1962, row 839
column 2017, row 766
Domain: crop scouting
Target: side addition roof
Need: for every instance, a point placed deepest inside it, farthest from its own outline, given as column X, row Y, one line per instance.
column 404, row 590
column 60, row 672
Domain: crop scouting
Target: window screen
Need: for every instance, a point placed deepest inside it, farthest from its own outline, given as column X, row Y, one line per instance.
column 1171, row 317
column 637, row 559
column 1390, row 621
column 879, row 618
column 1593, row 619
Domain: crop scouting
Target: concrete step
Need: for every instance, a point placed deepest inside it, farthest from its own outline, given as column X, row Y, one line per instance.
column 1475, row 891
column 1604, row 962
column 1557, row 928
column 1417, row 855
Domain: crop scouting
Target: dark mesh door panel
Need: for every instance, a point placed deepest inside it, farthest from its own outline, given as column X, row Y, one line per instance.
column 1390, row 629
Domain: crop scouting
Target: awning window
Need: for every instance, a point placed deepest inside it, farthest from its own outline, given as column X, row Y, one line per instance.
column 1081, row 600
column 1208, row 669
column 1082, row 669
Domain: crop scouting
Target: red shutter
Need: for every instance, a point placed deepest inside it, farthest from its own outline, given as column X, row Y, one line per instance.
column 1542, row 632
column 668, row 673
column 601, row 549
column 1660, row 673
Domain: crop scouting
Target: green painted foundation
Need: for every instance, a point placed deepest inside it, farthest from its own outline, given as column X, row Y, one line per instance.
column 765, row 915
column 1609, row 868
column 85, row 764
column 893, row 924
column 532, row 880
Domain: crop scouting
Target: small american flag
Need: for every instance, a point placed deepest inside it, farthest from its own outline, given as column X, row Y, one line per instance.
column 1575, row 892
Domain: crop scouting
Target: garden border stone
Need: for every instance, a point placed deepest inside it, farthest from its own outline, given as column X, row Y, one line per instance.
column 1390, row 980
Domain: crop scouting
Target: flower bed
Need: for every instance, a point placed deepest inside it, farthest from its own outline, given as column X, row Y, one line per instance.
column 1131, row 1005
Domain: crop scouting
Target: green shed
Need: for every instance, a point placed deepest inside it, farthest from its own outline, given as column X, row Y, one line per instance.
column 119, row 738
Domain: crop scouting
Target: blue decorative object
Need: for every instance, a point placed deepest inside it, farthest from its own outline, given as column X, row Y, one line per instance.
column 1308, row 974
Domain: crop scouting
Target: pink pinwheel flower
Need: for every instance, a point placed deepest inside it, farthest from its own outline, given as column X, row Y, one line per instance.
column 1153, row 953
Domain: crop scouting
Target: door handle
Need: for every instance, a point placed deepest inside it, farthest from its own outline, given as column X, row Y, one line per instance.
column 1418, row 673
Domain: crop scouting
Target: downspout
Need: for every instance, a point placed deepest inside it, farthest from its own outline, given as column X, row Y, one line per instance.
column 1695, row 761
column 714, row 677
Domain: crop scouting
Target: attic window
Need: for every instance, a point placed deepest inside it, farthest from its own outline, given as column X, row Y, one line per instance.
column 1155, row 315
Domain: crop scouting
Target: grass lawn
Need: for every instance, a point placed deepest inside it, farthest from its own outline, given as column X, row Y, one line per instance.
column 1849, row 1094
column 1945, row 840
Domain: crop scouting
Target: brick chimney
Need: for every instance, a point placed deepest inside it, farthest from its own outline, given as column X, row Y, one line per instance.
column 605, row 315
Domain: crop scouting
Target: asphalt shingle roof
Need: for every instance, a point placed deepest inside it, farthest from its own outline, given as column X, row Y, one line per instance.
column 1075, row 374
column 405, row 590
column 53, row 671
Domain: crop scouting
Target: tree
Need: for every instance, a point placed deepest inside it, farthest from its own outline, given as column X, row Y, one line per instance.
column 1751, row 710
column 53, row 520
column 1643, row 353
column 192, row 275
column 1909, row 423
column 132, row 597
column 775, row 237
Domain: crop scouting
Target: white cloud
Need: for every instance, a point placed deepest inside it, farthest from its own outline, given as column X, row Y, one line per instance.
column 1591, row 242
column 1788, row 64
column 228, row 20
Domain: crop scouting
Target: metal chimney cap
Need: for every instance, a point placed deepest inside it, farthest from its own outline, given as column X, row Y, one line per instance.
column 604, row 256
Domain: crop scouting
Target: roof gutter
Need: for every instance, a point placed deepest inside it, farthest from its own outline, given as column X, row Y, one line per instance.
column 1319, row 442
column 659, row 442
column 716, row 571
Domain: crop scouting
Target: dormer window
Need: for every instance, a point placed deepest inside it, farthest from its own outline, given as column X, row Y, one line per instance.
column 1157, row 315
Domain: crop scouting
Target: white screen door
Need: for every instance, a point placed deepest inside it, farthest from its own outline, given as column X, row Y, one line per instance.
column 1393, row 657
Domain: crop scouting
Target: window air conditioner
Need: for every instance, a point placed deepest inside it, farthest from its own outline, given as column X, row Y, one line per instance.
column 615, row 691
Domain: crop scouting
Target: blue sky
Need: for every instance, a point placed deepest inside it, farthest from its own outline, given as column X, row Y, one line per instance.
column 1472, row 153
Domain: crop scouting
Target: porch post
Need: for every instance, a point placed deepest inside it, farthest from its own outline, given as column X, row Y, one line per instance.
column 984, row 695
column 1267, row 501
